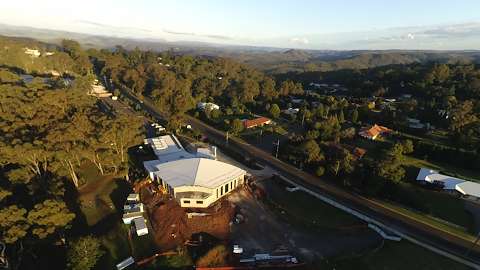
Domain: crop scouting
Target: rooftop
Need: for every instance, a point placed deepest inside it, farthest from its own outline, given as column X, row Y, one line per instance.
column 195, row 172
column 167, row 148
column 449, row 182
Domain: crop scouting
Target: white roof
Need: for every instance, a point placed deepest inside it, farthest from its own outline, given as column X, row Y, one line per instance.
column 430, row 176
column 423, row 173
column 451, row 183
column 167, row 148
column 469, row 188
column 196, row 172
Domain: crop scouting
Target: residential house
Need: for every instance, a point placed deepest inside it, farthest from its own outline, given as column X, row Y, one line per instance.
column 257, row 122
column 374, row 131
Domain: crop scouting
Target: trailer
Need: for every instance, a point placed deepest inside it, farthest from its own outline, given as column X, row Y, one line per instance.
column 140, row 226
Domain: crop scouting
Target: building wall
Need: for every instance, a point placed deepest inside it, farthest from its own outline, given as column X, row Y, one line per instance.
column 216, row 193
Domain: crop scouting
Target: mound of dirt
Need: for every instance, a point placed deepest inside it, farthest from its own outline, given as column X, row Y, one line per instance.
column 173, row 227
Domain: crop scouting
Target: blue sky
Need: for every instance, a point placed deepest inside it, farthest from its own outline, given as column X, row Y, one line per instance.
column 321, row 24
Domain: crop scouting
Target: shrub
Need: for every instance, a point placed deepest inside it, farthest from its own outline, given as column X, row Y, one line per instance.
column 217, row 256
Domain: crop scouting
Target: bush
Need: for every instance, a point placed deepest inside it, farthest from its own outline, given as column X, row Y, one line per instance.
column 217, row 256
column 320, row 171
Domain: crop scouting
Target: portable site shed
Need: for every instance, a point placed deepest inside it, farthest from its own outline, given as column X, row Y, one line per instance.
column 133, row 198
column 140, row 226
column 128, row 217
column 125, row 263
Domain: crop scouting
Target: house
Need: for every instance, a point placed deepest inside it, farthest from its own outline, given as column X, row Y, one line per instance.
column 32, row 52
column 464, row 187
column 207, row 106
column 415, row 123
column 257, row 122
column 291, row 111
column 99, row 91
column 373, row 132
column 359, row 152
column 140, row 226
column 48, row 53
column 196, row 182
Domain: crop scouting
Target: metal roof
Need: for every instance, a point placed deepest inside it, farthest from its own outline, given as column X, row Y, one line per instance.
column 197, row 172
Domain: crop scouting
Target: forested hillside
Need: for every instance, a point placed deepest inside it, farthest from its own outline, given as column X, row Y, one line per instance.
column 49, row 130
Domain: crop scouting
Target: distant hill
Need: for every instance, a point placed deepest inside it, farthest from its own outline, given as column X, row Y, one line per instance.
column 270, row 60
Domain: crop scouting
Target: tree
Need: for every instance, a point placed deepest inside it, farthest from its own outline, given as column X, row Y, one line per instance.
column 268, row 89
column 341, row 161
column 237, row 126
column 462, row 116
column 320, row 171
column 49, row 217
column 341, row 117
column 274, row 111
column 407, row 146
column 84, row 253
column 312, row 151
column 13, row 223
column 355, row 116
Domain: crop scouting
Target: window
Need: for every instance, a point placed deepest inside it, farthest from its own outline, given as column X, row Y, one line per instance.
column 226, row 188
column 199, row 202
column 231, row 185
column 186, row 201
column 217, row 193
column 221, row 191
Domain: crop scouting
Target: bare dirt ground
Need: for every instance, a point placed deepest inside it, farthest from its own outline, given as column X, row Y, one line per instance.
column 173, row 227
column 263, row 231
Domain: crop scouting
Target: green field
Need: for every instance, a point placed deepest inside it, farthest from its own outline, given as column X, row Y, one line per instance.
column 307, row 211
column 394, row 256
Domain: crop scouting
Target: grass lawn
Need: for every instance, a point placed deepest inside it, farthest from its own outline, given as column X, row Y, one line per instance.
column 444, row 168
column 439, row 224
column 307, row 211
column 183, row 261
column 434, row 203
column 102, row 198
column 395, row 256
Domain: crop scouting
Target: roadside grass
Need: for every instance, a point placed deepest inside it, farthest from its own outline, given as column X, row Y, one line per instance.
column 302, row 209
column 436, row 204
column 393, row 256
column 428, row 219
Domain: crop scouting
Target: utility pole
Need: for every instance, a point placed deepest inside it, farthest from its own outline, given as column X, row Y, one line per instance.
column 278, row 145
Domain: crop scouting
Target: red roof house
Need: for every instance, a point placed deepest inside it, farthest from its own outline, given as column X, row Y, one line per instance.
column 257, row 122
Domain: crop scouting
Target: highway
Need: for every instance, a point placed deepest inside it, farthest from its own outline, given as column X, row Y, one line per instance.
column 421, row 232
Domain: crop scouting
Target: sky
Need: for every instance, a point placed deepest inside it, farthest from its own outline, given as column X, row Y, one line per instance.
column 309, row 24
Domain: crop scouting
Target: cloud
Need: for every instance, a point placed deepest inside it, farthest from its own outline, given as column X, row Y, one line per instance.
column 112, row 27
column 221, row 37
column 300, row 40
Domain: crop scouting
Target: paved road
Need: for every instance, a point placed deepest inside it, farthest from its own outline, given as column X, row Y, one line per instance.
column 422, row 232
